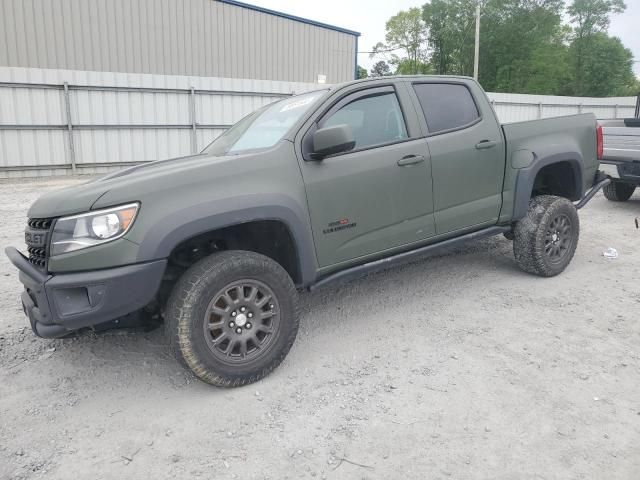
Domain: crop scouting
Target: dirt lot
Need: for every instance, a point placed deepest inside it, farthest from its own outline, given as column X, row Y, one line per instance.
column 458, row 366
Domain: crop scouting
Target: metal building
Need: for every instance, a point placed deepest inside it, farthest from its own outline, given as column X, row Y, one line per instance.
column 88, row 86
column 208, row 38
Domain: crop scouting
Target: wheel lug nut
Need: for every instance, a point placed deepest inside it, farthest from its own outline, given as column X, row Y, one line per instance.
column 232, row 324
column 238, row 330
column 250, row 315
column 248, row 325
column 242, row 309
column 233, row 314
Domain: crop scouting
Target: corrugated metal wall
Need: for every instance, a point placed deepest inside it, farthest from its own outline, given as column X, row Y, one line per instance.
column 514, row 107
column 117, row 119
column 150, row 117
column 208, row 38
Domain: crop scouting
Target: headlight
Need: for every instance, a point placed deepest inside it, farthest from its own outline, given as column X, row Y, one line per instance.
column 93, row 228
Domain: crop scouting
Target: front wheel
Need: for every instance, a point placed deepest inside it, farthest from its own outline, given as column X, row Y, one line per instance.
column 547, row 237
column 232, row 317
column 618, row 191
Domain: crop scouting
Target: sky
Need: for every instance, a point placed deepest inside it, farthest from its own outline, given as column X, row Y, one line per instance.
column 369, row 17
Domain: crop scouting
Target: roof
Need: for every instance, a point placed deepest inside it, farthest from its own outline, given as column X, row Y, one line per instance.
column 394, row 78
column 290, row 17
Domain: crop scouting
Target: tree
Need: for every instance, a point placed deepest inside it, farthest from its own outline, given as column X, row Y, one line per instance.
column 592, row 16
column 362, row 72
column 525, row 47
column 451, row 25
column 406, row 32
column 606, row 66
column 589, row 18
column 633, row 89
column 408, row 67
column 511, row 31
column 547, row 70
column 380, row 69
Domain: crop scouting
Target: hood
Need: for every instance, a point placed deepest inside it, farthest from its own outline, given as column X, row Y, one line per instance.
column 82, row 198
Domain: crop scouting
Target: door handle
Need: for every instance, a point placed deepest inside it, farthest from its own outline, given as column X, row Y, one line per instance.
column 410, row 160
column 484, row 144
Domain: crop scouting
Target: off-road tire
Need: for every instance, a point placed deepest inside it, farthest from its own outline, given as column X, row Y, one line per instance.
column 618, row 191
column 189, row 308
column 533, row 238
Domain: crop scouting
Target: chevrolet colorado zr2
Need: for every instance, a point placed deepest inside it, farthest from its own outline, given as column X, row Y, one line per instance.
column 308, row 190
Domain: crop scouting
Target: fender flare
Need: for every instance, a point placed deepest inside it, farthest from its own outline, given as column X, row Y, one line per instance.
column 181, row 225
column 526, row 178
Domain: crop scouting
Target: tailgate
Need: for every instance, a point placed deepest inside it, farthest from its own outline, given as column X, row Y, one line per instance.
column 621, row 143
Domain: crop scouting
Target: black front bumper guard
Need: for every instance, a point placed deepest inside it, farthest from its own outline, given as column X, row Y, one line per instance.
column 58, row 304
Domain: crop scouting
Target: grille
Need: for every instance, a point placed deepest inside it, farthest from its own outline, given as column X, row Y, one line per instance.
column 38, row 253
column 38, row 256
column 40, row 223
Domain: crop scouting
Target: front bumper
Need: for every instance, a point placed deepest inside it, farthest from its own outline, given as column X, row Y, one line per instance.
column 59, row 304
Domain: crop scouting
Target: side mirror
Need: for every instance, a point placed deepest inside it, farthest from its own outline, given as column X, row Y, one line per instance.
column 331, row 140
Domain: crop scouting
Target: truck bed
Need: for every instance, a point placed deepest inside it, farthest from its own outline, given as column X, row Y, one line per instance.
column 539, row 138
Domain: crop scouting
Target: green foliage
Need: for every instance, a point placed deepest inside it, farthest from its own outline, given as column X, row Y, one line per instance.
column 590, row 19
column 451, row 26
column 409, row 67
column 405, row 32
column 362, row 72
column 511, row 32
column 592, row 16
column 380, row 69
column 606, row 67
column 524, row 45
column 633, row 89
column 547, row 71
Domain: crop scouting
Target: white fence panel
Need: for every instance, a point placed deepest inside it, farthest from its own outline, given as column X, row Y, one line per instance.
column 116, row 119
column 102, row 120
column 514, row 107
column 20, row 148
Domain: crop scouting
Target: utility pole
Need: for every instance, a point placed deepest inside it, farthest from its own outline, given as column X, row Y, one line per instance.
column 476, row 56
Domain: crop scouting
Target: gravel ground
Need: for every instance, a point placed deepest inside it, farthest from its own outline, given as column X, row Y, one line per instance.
column 457, row 366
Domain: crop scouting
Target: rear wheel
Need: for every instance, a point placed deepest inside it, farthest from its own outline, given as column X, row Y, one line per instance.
column 232, row 317
column 547, row 237
column 619, row 191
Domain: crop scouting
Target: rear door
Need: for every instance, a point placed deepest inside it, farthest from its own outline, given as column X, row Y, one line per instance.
column 467, row 154
column 377, row 196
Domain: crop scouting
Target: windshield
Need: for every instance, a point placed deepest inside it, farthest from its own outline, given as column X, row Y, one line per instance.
column 264, row 127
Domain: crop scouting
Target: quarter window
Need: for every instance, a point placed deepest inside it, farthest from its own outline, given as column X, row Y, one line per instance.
column 446, row 106
column 374, row 120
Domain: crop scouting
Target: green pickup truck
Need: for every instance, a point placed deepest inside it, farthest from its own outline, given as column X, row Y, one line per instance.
column 309, row 190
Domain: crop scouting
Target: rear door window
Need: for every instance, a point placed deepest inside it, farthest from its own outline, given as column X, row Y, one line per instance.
column 446, row 106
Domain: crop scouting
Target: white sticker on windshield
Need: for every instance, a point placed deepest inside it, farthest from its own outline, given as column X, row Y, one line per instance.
column 297, row 104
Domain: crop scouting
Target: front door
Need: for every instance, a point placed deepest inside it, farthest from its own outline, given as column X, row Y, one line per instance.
column 377, row 196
